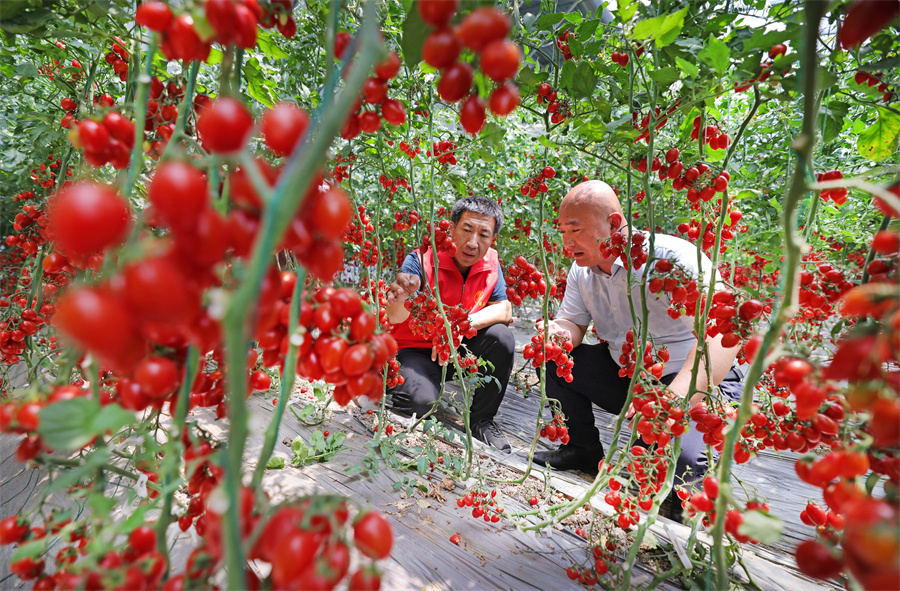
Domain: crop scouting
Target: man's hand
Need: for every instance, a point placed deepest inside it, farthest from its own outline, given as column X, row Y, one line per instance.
column 404, row 286
column 554, row 327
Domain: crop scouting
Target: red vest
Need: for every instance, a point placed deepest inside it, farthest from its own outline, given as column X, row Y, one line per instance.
column 472, row 293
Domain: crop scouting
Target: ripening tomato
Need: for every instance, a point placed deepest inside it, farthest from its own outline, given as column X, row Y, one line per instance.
column 375, row 90
column 142, row 539
column 393, row 112
column 817, row 561
column 504, row 100
column 341, row 41
column 437, row 12
column 12, row 529
column 155, row 15
column 441, row 48
column 243, row 191
column 365, row 579
column 157, row 376
column 225, row 126
column 345, row 302
column 481, row 26
column 455, row 82
column 155, row 289
column 472, row 114
column 357, row 360
column 500, row 60
column 296, row 550
column 390, row 67
column 282, row 127
column 369, row 122
column 329, row 212
column 87, row 217
column 260, row 380
column 330, row 351
column 97, row 320
column 179, row 193
column 372, row 536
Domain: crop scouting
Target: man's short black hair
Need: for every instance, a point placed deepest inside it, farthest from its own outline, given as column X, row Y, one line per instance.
column 478, row 204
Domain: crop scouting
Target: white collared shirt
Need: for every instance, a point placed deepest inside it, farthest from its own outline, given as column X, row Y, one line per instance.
column 593, row 294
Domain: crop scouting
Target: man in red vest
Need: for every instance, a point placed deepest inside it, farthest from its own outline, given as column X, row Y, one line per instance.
column 472, row 278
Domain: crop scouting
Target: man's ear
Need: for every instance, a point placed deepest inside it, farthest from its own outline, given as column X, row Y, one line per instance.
column 615, row 221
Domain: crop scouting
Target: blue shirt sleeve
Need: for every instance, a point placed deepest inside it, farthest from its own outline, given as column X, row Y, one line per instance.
column 499, row 293
column 412, row 266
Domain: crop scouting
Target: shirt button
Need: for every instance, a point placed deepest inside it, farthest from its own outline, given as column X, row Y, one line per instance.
column 614, row 308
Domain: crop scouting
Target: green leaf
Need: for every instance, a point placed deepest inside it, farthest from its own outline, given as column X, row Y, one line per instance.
column 317, row 441
column 588, row 29
column 761, row 526
column 111, row 418
column 66, row 425
column 626, row 9
column 422, row 465
column 484, row 155
column 665, row 76
column 832, row 118
column 715, row 54
column 297, row 444
column 567, row 75
column 871, row 480
column 546, row 22
column 691, row 70
column 575, row 18
column 662, row 29
column 542, row 140
column 584, row 84
column 529, row 79
column 275, row 463
column 267, row 45
column 26, row 70
column 414, row 32
column 774, row 203
column 492, row 134
column 25, row 22
column 878, row 142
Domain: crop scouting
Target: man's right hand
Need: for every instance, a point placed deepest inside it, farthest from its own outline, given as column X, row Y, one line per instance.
column 404, row 286
column 554, row 327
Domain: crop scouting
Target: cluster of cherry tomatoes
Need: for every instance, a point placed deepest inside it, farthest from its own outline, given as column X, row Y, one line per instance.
column 356, row 233
column 524, row 280
column 484, row 505
column 537, row 184
column 340, row 345
column 232, row 23
column 839, row 194
column 107, row 141
column 443, row 151
column 615, row 247
column 118, row 59
column 715, row 138
column 405, row 219
column 442, row 236
column 730, row 319
column 681, row 286
column 557, row 108
column 628, row 357
column 374, row 93
column 556, row 430
column 394, row 184
column 661, row 420
column 426, row 322
column 557, row 350
column 484, row 31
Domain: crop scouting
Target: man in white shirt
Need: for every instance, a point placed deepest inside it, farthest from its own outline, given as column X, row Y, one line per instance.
column 597, row 290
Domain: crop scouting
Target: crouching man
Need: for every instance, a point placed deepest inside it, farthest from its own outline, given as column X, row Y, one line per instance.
column 473, row 279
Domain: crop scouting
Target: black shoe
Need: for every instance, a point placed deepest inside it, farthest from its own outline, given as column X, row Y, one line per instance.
column 569, row 457
column 487, row 431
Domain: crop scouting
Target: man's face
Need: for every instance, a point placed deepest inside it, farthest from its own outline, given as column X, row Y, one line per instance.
column 472, row 235
column 582, row 230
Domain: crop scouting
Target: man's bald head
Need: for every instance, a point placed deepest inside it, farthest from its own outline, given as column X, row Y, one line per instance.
column 593, row 199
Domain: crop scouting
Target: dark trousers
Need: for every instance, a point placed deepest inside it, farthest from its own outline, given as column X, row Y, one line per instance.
column 422, row 376
column 596, row 381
